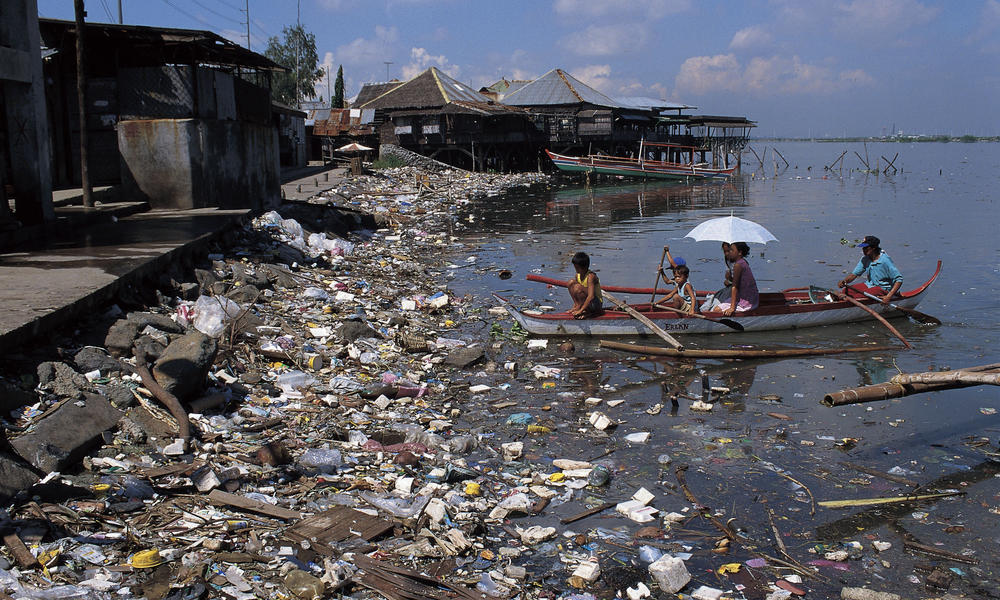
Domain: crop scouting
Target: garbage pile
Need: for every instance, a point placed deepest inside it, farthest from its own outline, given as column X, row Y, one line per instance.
column 340, row 431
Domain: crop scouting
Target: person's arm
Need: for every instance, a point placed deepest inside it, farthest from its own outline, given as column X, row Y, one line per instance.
column 897, row 280
column 859, row 270
column 846, row 280
column 892, row 292
column 666, row 296
column 737, row 274
column 669, row 258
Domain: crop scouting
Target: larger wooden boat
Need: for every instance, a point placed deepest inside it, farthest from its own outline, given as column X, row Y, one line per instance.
column 790, row 309
column 643, row 167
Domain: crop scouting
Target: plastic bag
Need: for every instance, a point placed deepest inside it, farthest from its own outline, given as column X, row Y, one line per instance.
column 320, row 461
column 212, row 313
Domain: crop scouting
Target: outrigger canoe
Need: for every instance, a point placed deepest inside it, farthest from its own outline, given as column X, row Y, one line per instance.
column 789, row 309
column 642, row 167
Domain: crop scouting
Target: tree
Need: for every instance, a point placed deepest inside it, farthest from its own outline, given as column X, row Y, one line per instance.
column 300, row 44
column 338, row 89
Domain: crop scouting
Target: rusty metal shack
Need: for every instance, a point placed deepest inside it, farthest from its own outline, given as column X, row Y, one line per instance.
column 442, row 118
column 180, row 118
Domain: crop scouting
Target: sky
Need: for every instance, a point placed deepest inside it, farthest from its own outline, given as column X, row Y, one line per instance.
column 802, row 68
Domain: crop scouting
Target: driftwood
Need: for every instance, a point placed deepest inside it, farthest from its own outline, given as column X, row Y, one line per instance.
column 165, row 397
column 735, row 353
column 898, row 387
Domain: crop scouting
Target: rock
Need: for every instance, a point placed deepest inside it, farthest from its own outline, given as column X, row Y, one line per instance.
column 15, row 475
column 60, row 439
column 244, row 294
column 13, row 397
column 120, row 337
column 154, row 320
column 706, row 593
column 567, row 347
column 353, row 330
column 183, row 366
column 244, row 277
column 90, row 359
column 463, row 357
column 149, row 347
column 853, row 593
column 206, row 279
column 188, row 291
column 60, row 379
column 670, row 573
column 119, row 395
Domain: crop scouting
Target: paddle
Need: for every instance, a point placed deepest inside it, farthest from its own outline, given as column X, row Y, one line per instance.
column 659, row 271
column 727, row 322
column 868, row 310
column 913, row 314
column 644, row 320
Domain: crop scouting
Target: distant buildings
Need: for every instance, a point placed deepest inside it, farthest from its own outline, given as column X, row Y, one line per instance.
column 505, row 126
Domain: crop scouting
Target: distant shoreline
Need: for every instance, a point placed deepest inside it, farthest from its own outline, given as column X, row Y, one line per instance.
column 904, row 139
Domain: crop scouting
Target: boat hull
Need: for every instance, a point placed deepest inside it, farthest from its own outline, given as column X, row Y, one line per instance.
column 632, row 168
column 781, row 310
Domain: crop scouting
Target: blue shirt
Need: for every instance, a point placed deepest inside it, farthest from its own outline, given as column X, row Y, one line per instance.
column 880, row 273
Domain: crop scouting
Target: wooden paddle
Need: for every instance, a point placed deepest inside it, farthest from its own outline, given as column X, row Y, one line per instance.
column 727, row 322
column 644, row 320
column 913, row 314
column 868, row 310
column 659, row 271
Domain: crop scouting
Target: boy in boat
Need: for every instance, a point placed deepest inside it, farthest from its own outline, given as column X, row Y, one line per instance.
column 883, row 278
column 585, row 289
column 682, row 297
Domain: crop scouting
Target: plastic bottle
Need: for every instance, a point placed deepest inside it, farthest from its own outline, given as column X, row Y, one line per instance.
column 599, row 476
column 304, row 585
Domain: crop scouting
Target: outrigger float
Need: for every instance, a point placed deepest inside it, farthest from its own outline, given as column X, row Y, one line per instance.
column 642, row 167
column 790, row 309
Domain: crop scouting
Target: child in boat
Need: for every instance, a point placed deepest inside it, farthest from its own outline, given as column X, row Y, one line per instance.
column 585, row 289
column 682, row 297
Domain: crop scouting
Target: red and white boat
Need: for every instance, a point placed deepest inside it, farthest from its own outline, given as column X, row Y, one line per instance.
column 789, row 309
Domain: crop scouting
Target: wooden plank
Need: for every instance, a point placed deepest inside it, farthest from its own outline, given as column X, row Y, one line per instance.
column 218, row 497
column 25, row 559
column 877, row 473
column 172, row 469
column 587, row 513
column 336, row 525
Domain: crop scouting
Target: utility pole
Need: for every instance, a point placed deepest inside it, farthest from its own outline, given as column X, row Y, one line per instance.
column 387, row 63
column 298, row 43
column 247, row 11
column 81, row 96
column 329, row 96
column 120, row 22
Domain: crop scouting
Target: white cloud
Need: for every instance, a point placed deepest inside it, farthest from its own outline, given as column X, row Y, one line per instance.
column 653, row 9
column 596, row 76
column 764, row 76
column 750, row 37
column 606, row 40
column 421, row 59
column 987, row 34
column 882, row 17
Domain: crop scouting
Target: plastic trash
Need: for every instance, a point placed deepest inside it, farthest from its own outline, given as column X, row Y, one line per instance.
column 304, row 585
column 319, row 461
column 649, row 554
column 212, row 313
column 292, row 380
column 397, row 507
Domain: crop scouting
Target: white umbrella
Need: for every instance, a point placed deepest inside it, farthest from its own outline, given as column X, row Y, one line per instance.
column 353, row 147
column 731, row 229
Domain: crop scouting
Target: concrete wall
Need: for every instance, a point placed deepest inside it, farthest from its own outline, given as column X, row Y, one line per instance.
column 199, row 163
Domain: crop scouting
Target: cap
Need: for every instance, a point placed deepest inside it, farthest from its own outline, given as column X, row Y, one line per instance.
column 870, row 241
column 679, row 262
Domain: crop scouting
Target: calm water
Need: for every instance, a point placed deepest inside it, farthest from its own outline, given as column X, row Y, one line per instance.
column 943, row 205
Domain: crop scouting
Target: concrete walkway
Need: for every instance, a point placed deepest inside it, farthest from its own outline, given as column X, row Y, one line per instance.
column 69, row 273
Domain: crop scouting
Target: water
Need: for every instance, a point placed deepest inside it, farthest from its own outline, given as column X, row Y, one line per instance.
column 942, row 206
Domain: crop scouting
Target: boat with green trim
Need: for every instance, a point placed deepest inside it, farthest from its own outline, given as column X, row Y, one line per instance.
column 643, row 166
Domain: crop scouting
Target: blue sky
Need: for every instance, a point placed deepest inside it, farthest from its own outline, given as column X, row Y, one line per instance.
column 797, row 67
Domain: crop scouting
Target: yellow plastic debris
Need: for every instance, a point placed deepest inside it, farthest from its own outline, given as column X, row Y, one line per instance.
column 729, row 568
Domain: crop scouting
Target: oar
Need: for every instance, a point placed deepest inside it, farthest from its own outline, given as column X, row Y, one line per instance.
column 914, row 314
column 727, row 322
column 867, row 310
column 659, row 271
column 644, row 320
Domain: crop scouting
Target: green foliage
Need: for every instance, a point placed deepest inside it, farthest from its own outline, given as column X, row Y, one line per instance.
column 388, row 162
column 297, row 42
column 338, row 89
column 968, row 139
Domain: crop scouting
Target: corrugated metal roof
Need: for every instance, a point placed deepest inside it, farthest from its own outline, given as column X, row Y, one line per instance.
column 558, row 87
column 429, row 89
column 648, row 103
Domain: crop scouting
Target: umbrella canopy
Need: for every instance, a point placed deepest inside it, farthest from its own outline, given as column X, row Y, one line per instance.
column 353, row 147
column 731, row 229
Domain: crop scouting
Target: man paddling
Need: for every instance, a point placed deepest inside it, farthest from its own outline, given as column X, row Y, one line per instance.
column 883, row 278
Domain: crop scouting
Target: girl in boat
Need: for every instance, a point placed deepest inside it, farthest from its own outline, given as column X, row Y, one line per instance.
column 585, row 289
column 743, row 287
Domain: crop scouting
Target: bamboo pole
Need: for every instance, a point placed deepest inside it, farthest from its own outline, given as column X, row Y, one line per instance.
column 735, row 353
column 644, row 320
column 888, row 391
